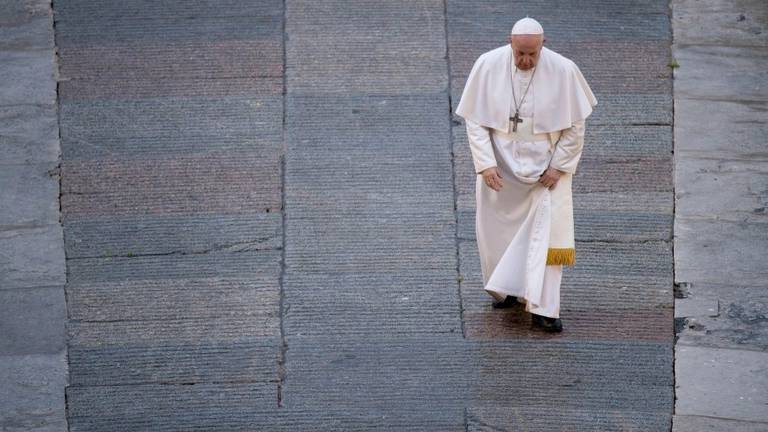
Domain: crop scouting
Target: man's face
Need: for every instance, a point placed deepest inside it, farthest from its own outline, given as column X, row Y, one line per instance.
column 526, row 49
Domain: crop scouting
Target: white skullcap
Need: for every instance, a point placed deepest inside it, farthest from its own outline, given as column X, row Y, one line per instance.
column 527, row 26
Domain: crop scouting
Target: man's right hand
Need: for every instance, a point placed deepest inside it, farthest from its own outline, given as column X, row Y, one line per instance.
column 492, row 178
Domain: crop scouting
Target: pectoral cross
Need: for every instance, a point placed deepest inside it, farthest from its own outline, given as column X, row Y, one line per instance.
column 516, row 119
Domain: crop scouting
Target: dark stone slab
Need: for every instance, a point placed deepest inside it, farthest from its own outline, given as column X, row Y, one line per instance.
column 543, row 418
column 32, row 321
column 147, row 88
column 384, row 48
column 182, row 234
column 623, row 175
column 325, row 372
column 389, row 372
column 250, row 264
column 192, row 297
column 201, row 59
column 161, row 407
column 86, row 124
column 116, row 10
column 28, row 134
column 591, row 20
column 88, row 32
column 220, row 358
column 370, row 303
column 226, row 183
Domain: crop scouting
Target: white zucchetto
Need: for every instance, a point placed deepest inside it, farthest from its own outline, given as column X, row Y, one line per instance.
column 527, row 25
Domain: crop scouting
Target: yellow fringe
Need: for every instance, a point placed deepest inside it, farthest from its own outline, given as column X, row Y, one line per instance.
column 563, row 256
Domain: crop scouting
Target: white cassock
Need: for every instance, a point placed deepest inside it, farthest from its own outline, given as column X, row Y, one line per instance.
column 525, row 230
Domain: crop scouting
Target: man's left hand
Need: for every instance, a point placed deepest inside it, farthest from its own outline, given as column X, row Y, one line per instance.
column 550, row 177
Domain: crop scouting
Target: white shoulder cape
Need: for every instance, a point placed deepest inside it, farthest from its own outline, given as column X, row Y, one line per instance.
column 561, row 94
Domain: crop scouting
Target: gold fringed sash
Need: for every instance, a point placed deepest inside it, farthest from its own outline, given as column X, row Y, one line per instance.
column 561, row 256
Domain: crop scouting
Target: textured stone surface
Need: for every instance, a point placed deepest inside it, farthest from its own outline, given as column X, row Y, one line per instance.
column 33, row 355
column 26, row 77
column 29, row 196
column 395, row 47
column 28, row 134
column 33, row 392
column 32, row 321
column 720, row 22
column 182, row 234
column 31, row 257
column 720, row 224
column 247, row 256
column 741, row 375
column 686, row 423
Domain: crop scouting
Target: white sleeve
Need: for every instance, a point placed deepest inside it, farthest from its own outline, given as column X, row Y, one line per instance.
column 568, row 149
column 480, row 144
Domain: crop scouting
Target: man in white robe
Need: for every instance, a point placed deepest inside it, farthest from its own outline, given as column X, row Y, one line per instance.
column 524, row 107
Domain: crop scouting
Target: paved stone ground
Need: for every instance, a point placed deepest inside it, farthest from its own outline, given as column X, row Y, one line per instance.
column 721, row 229
column 33, row 362
column 268, row 219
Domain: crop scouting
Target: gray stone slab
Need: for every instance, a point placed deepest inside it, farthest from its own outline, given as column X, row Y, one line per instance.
column 740, row 323
column 337, row 47
column 713, row 251
column 722, row 383
column 193, row 297
column 686, row 423
column 29, row 195
column 696, row 307
column 158, row 407
column 370, row 303
column 27, row 77
column 542, row 418
column 32, row 257
column 183, row 234
column 214, row 264
column 734, row 130
column 28, row 134
column 33, row 392
column 736, row 73
column 32, row 321
column 720, row 22
column 27, row 27
column 718, row 189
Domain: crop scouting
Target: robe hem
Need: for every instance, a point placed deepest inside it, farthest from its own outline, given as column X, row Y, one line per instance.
column 561, row 256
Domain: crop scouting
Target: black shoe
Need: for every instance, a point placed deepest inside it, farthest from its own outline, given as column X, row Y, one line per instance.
column 508, row 302
column 547, row 323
